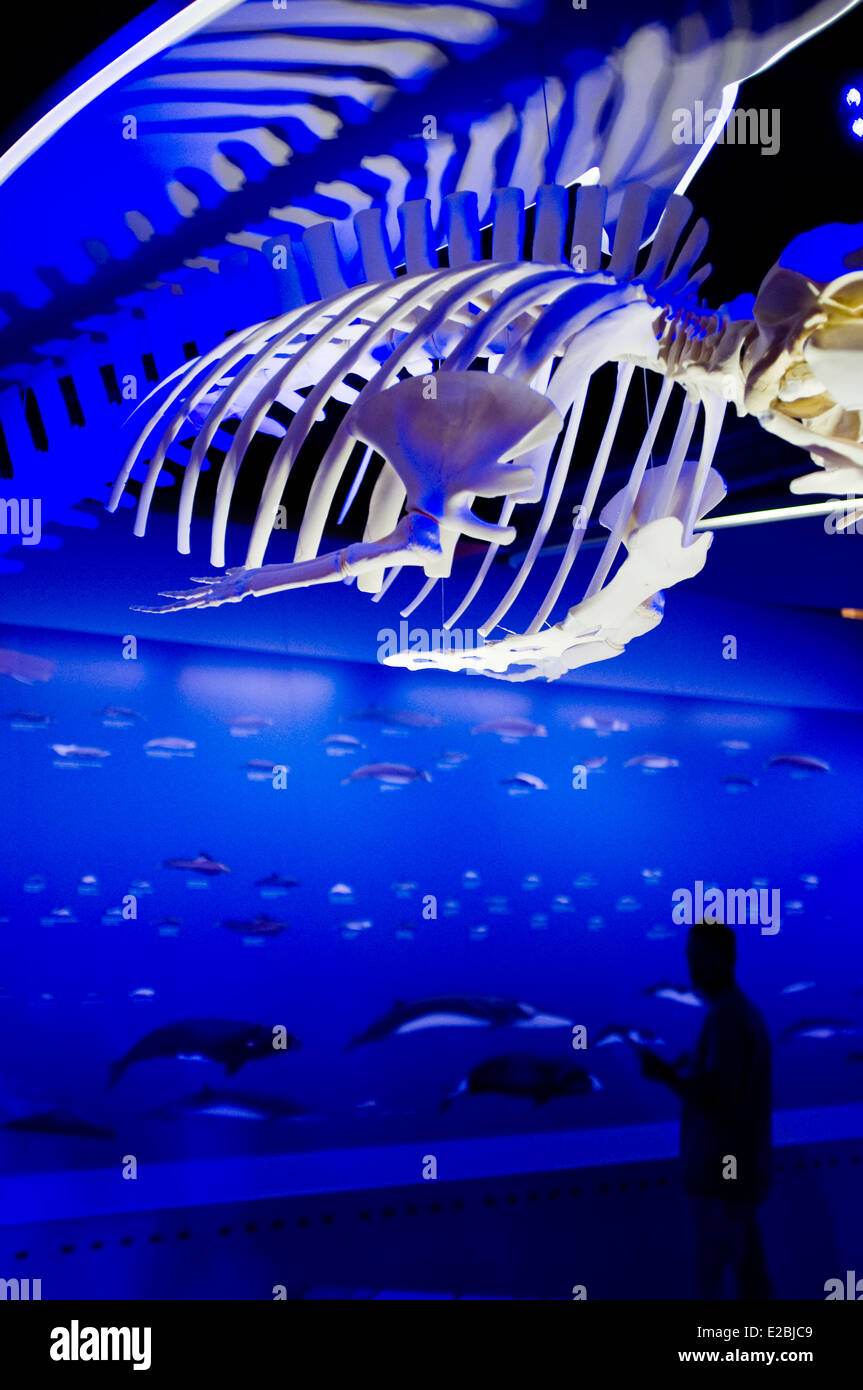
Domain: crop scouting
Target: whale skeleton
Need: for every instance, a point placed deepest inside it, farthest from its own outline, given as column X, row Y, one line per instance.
column 534, row 332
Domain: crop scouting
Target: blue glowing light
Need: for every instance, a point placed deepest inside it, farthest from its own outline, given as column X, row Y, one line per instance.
column 857, row 127
column 852, row 97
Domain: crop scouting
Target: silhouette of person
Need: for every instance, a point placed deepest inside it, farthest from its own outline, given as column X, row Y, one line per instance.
column 725, row 1127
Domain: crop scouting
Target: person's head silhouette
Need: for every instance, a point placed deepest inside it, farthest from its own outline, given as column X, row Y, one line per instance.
column 711, row 952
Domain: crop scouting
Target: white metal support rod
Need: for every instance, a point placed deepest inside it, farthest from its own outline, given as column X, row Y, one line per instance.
column 716, row 523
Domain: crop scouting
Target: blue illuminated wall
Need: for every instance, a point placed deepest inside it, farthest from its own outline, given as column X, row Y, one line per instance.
column 585, row 942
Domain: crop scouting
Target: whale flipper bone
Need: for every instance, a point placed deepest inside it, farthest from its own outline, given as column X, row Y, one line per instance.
column 414, row 541
column 443, row 450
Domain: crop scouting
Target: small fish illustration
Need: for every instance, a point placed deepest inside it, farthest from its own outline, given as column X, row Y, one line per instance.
column 262, row 769
column 660, row 932
column 247, row 725
column 119, row 717
column 25, row 668
column 799, row 762
column 170, row 747
column 341, row 745
column 522, row 1075
column 677, row 994
column 56, row 1123
column 511, row 730
column 61, row 914
column 451, row 757
column 622, row 1032
column 73, row 751
column 203, row 1039
column 276, row 881
column 28, row 719
column 260, row 925
column 389, row 774
column 652, row 762
column 497, row 905
column 603, row 724
column 203, row 864
column 407, row 718
column 404, row 888
column 233, row 1105
column 523, row 783
column 820, row 1029
column 457, row 1011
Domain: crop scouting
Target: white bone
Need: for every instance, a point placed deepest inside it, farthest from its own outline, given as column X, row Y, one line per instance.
column 613, row 543
column 625, row 372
